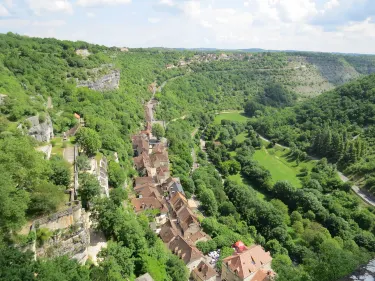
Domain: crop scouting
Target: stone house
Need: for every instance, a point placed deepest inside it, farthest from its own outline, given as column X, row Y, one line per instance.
column 188, row 253
column 247, row 264
column 149, row 203
column 159, row 160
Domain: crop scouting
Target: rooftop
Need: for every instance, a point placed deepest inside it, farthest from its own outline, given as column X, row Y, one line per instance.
column 248, row 261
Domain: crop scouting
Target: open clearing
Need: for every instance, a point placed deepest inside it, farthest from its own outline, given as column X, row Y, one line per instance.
column 280, row 165
column 232, row 116
column 276, row 159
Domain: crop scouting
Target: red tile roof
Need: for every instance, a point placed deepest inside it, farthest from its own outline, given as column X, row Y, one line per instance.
column 249, row 261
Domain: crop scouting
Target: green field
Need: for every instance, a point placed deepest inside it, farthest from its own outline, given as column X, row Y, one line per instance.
column 232, row 116
column 281, row 167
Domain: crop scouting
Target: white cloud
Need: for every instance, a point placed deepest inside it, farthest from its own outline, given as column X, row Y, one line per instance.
column 13, row 23
column 246, row 3
column 362, row 29
column 90, row 15
column 153, row 20
column 167, row 2
column 51, row 23
column 295, row 10
column 8, row 3
column 192, row 8
column 331, row 4
column 40, row 6
column 3, row 11
column 92, row 3
column 206, row 24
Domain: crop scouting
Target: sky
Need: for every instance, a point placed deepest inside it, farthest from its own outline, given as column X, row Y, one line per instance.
column 310, row 25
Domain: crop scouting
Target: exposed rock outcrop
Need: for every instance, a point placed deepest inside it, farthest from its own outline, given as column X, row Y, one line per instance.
column 107, row 82
column 2, row 98
column 83, row 53
column 42, row 132
column 71, row 234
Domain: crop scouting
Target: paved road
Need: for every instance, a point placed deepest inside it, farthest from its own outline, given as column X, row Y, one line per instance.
column 357, row 190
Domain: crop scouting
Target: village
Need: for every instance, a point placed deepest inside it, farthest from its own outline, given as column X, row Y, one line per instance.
column 175, row 220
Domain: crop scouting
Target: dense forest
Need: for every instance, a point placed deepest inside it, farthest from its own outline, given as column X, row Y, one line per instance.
column 319, row 231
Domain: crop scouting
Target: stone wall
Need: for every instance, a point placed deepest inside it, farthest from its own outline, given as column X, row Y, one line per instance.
column 71, row 235
column 103, row 176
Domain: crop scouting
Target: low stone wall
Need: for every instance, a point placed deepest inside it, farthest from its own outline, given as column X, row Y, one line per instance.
column 62, row 219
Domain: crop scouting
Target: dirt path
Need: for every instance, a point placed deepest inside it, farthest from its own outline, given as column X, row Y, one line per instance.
column 69, row 154
column 365, row 197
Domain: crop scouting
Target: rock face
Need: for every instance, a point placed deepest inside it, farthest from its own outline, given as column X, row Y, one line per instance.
column 71, row 234
column 107, row 82
column 42, row 132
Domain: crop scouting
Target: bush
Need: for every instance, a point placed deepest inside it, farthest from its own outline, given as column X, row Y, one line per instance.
column 42, row 117
column 43, row 235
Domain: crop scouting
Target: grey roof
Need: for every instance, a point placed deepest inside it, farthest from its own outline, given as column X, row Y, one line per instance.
column 144, row 277
column 176, row 186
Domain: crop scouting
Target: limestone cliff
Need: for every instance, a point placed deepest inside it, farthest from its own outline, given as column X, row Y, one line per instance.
column 41, row 131
column 107, row 82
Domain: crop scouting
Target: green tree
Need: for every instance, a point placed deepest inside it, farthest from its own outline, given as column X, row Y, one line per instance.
column 13, row 203
column 208, row 202
column 158, row 131
column 176, row 269
column 116, row 174
column 116, row 263
column 89, row 140
column 45, row 199
column 89, row 187
column 83, row 162
column 61, row 173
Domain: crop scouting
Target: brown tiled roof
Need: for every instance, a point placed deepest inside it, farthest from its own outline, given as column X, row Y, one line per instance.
column 141, row 141
column 143, row 180
column 204, row 271
column 198, row 236
column 139, row 187
column 148, row 192
column 168, row 232
column 141, row 204
column 184, row 251
column 142, row 161
column 249, row 261
column 186, row 217
column 159, row 148
column 161, row 171
column 177, row 201
column 159, row 156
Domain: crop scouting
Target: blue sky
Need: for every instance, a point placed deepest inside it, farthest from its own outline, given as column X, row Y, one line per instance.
column 315, row 25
